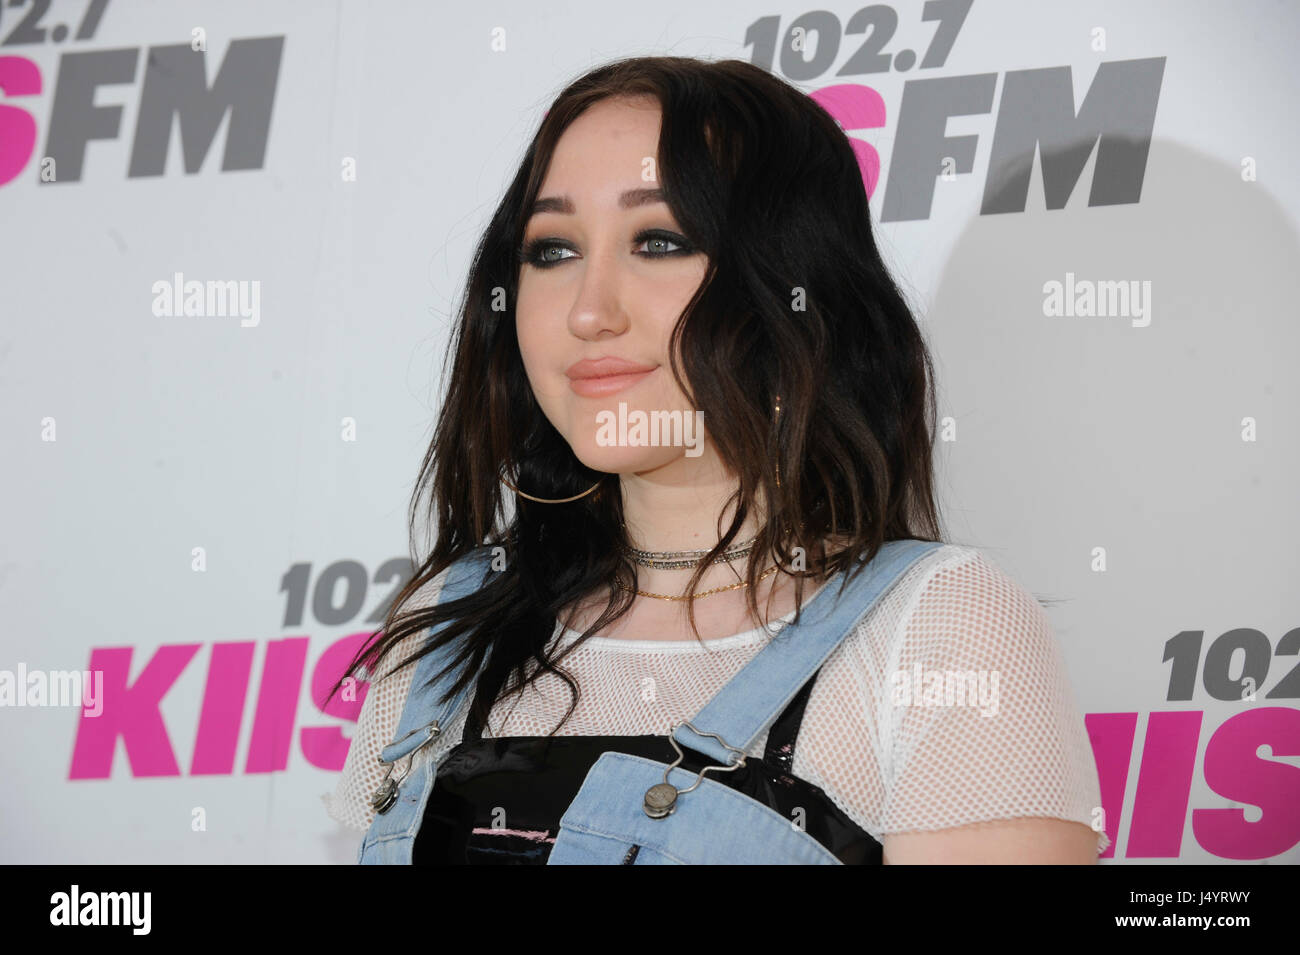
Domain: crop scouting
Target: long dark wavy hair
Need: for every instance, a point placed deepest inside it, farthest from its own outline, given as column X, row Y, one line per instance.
column 763, row 181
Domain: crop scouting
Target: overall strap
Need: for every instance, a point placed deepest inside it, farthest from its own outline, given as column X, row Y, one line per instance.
column 764, row 687
column 423, row 717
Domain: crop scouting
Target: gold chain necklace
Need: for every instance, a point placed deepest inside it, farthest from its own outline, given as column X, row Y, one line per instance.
column 708, row 593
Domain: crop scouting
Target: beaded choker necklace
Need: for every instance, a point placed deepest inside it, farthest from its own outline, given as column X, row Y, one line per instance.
column 682, row 559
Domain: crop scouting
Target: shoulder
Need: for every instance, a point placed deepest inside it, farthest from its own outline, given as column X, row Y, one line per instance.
column 954, row 597
column 945, row 572
column 956, row 611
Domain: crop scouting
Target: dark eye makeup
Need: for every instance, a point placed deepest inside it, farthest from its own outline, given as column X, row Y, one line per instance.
column 532, row 253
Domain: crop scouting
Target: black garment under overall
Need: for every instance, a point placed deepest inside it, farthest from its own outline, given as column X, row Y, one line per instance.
column 498, row 801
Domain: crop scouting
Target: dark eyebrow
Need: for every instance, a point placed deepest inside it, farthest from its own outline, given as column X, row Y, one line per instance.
column 628, row 200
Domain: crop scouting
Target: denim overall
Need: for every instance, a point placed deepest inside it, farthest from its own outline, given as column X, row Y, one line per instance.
column 623, row 813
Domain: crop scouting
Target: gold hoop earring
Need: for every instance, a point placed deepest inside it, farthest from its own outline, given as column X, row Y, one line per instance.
column 546, row 500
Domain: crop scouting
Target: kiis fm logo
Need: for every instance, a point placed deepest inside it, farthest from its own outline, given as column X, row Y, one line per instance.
column 173, row 87
column 1036, row 116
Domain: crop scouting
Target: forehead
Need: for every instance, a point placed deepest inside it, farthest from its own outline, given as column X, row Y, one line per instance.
column 606, row 147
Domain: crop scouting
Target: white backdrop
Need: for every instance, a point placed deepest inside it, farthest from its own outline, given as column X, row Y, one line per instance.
column 187, row 496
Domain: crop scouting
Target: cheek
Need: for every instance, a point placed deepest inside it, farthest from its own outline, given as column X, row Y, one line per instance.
column 669, row 297
column 531, row 338
column 538, row 348
column 528, row 350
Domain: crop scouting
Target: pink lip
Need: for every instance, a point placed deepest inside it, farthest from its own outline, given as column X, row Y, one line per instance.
column 606, row 384
column 605, row 376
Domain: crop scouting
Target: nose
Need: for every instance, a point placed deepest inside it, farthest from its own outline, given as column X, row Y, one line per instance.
column 598, row 310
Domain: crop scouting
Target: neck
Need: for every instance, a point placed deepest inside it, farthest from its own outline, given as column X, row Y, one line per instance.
column 684, row 506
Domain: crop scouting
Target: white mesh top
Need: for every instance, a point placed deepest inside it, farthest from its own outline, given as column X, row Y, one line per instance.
column 889, row 766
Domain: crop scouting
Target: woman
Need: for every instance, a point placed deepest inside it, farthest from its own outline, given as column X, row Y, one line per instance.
column 690, row 242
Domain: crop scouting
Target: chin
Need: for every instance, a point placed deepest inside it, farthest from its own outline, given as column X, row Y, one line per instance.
column 623, row 460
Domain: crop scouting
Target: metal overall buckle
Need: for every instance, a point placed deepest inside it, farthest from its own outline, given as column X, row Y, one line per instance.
column 661, row 798
column 385, row 797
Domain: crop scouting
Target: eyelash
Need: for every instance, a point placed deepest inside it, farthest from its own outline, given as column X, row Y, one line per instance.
column 530, row 254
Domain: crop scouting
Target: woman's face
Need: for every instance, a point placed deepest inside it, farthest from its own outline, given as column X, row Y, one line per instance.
column 607, row 274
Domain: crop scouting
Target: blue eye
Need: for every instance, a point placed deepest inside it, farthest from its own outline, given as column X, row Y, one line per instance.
column 534, row 253
column 669, row 239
